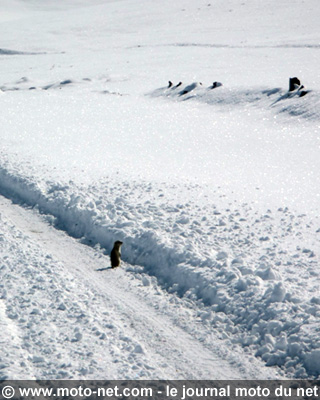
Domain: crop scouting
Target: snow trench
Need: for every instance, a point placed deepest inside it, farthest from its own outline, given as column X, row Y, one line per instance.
column 226, row 263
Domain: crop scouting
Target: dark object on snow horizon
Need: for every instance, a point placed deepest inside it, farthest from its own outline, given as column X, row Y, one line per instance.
column 215, row 85
column 170, row 85
column 294, row 83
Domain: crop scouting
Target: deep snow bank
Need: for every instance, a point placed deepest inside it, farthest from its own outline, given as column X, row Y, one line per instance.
column 254, row 277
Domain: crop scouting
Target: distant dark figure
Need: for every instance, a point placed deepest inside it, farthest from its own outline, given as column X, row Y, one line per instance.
column 115, row 255
column 170, row 84
column 179, row 84
column 294, row 83
column 215, row 85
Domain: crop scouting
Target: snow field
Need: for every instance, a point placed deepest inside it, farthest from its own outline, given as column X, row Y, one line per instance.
column 215, row 192
column 64, row 320
column 247, row 272
column 238, row 128
column 192, row 248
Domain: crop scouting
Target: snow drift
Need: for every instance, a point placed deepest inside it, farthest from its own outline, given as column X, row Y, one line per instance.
column 299, row 102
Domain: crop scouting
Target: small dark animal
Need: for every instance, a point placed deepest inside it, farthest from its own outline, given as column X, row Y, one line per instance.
column 115, row 255
column 294, row 83
column 170, row 84
column 216, row 84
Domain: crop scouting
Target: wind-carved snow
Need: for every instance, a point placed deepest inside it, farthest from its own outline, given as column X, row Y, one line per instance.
column 300, row 103
column 7, row 52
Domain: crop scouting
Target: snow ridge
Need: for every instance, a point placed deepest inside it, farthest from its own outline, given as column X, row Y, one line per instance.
column 298, row 103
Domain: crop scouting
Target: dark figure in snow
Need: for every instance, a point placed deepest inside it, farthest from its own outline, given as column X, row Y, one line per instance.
column 215, row 85
column 295, row 84
column 115, row 255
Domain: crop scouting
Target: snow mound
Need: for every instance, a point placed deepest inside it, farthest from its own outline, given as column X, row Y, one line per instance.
column 298, row 102
column 7, row 52
column 28, row 84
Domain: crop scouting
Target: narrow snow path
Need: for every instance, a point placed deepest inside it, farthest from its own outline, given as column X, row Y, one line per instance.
column 88, row 320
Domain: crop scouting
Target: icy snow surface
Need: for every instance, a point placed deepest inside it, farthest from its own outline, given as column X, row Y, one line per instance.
column 213, row 190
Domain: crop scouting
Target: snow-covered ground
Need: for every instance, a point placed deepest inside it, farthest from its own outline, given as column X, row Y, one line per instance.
column 65, row 315
column 214, row 191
